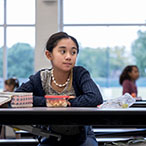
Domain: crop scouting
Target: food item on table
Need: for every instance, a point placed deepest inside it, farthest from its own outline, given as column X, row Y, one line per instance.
column 125, row 105
column 22, row 99
column 56, row 100
column 124, row 101
column 19, row 99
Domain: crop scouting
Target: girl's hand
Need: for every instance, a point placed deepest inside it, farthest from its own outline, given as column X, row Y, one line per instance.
column 70, row 97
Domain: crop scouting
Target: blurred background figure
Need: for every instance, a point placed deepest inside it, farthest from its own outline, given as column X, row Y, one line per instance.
column 128, row 79
column 11, row 84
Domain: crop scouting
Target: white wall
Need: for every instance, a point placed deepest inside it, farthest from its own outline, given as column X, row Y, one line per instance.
column 46, row 25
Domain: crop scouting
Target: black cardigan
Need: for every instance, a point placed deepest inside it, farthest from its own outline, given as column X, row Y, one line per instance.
column 87, row 93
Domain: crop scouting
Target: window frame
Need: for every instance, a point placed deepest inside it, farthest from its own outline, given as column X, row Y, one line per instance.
column 5, row 26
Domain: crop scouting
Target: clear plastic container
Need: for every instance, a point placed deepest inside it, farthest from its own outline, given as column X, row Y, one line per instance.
column 56, row 100
column 124, row 101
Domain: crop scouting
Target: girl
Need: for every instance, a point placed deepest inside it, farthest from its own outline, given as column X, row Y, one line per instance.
column 11, row 84
column 64, row 78
column 128, row 80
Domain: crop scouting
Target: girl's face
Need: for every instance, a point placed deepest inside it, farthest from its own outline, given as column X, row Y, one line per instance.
column 63, row 56
column 134, row 74
column 9, row 88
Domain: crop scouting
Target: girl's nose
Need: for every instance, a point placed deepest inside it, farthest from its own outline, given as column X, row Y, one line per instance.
column 68, row 56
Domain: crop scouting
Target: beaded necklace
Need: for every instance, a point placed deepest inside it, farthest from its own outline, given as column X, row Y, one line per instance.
column 54, row 81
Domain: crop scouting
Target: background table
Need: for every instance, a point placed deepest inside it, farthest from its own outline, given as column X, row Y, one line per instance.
column 140, row 104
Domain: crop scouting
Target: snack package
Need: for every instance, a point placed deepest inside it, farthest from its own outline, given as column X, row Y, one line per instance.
column 22, row 99
column 19, row 99
column 124, row 101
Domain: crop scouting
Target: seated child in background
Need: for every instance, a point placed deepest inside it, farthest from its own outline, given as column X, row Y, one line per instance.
column 128, row 79
column 11, row 84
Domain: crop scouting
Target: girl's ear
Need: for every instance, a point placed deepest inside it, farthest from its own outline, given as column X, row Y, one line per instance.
column 48, row 55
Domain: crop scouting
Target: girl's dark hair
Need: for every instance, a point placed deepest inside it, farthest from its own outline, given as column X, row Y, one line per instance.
column 53, row 40
column 12, row 81
column 125, row 73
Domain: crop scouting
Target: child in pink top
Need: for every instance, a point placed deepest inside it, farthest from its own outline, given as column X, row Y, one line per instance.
column 128, row 79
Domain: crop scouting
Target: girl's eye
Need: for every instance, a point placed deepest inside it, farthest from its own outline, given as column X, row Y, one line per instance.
column 62, row 51
column 74, row 52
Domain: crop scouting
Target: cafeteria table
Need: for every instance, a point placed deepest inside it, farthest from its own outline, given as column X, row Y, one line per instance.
column 102, row 118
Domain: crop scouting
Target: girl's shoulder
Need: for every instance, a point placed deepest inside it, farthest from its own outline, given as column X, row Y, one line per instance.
column 42, row 70
column 127, row 81
column 38, row 73
column 80, row 72
column 45, row 69
column 79, row 68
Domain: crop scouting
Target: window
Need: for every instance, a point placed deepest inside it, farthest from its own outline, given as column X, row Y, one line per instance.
column 109, row 33
column 21, row 11
column 20, row 51
column 1, row 12
column 17, row 38
column 104, row 12
column 1, row 56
